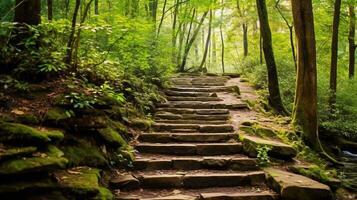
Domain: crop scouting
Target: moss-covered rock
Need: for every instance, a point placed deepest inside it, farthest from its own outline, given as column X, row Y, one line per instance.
column 56, row 114
column 82, row 182
column 24, row 186
column 104, row 194
column 10, row 152
column 277, row 149
column 40, row 162
column 84, row 155
column 23, row 134
column 258, row 130
column 141, row 124
column 28, row 119
column 112, row 137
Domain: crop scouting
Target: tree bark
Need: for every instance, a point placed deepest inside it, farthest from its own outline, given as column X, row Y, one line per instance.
column 73, row 31
column 28, row 12
column 305, row 105
column 208, row 41
column 49, row 10
column 334, row 51
column 245, row 38
column 153, row 9
column 273, row 82
column 222, row 40
column 96, row 7
column 161, row 19
column 351, row 40
column 192, row 40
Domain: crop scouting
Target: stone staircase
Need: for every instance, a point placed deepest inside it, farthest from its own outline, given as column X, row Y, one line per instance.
column 193, row 151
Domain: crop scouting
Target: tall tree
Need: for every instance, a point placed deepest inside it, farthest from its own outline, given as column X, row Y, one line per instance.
column 222, row 39
column 334, row 51
column 50, row 10
column 351, row 40
column 28, row 12
column 244, row 28
column 273, row 82
column 208, row 41
column 96, row 7
column 305, row 105
column 191, row 41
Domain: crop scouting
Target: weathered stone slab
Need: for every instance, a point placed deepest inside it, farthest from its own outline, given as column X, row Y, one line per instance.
column 174, row 149
column 165, row 121
column 221, row 180
column 239, row 196
column 161, row 181
column 278, row 149
column 186, row 137
column 127, row 182
column 224, row 128
column 147, row 164
column 204, row 99
column 218, row 148
column 296, row 187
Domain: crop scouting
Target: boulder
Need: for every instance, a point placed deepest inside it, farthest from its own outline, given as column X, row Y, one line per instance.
column 40, row 162
column 112, row 137
column 23, row 134
column 127, row 182
column 278, row 149
column 296, row 187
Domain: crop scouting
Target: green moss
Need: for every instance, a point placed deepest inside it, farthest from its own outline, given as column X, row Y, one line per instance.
column 44, row 162
column 141, row 124
column 56, row 114
column 80, row 181
column 111, row 137
column 315, row 172
column 30, row 185
column 84, row 154
column 28, row 119
column 9, row 152
column 19, row 133
column 104, row 194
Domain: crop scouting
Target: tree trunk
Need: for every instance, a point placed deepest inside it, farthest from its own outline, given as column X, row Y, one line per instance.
column 208, row 41
column 49, row 10
column 222, row 40
column 153, row 9
column 96, row 7
column 305, row 105
column 273, row 82
column 162, row 19
column 192, row 40
column 334, row 51
column 245, row 38
column 351, row 40
column 28, row 12
column 73, row 31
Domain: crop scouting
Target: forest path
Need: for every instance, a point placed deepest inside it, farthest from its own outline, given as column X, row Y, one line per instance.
column 194, row 151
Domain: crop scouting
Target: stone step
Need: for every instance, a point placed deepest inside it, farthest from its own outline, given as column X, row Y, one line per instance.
column 168, row 121
column 189, row 94
column 193, row 111
column 222, row 193
column 198, row 179
column 204, row 149
column 180, row 98
column 206, row 89
column 162, row 162
column 222, row 128
column 187, row 137
column 202, row 105
column 191, row 116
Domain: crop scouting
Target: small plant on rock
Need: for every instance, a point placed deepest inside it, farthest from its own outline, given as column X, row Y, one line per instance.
column 263, row 157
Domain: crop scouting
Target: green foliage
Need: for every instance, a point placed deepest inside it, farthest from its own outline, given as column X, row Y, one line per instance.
column 262, row 156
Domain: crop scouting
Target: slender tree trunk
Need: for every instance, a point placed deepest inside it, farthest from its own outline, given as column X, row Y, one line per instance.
column 71, row 35
column 96, row 7
column 173, row 33
column 245, row 38
column 192, row 40
column 334, row 51
column 28, row 12
column 153, row 9
column 208, row 41
column 214, row 47
column 260, row 49
column 49, row 10
column 273, row 82
column 161, row 19
column 351, row 40
column 305, row 105
column 222, row 40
